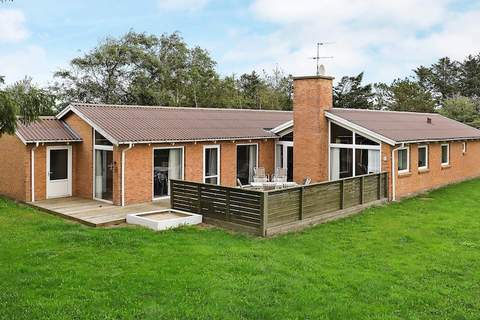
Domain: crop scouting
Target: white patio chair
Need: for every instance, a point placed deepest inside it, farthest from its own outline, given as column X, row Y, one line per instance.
column 259, row 175
column 280, row 175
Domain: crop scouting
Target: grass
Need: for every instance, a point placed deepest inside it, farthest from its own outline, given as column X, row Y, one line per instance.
column 418, row 259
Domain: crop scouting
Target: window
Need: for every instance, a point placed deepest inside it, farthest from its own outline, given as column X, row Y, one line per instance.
column 361, row 140
column 246, row 162
column 58, row 164
column 422, row 157
column 340, row 135
column 211, row 164
column 167, row 164
column 367, row 161
column 403, row 160
column 341, row 163
column 464, row 147
column 445, row 154
column 101, row 140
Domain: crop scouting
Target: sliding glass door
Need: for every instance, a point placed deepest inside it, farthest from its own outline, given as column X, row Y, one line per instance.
column 246, row 162
column 284, row 157
column 167, row 164
column 104, row 174
column 104, row 165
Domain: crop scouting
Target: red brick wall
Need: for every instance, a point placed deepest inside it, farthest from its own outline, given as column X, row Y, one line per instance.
column 14, row 168
column 139, row 160
column 82, row 155
column 462, row 166
column 313, row 95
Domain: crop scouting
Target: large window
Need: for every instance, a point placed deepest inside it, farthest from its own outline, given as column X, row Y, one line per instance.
column 211, row 164
column 351, row 153
column 104, row 167
column 445, row 154
column 403, row 160
column 246, row 162
column 167, row 164
column 422, row 157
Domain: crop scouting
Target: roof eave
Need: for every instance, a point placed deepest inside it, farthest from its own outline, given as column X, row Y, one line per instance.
column 360, row 128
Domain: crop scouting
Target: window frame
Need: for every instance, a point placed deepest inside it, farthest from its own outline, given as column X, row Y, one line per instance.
column 256, row 155
column 425, row 146
column 407, row 169
column 464, row 147
column 153, row 169
column 448, row 154
column 212, row 146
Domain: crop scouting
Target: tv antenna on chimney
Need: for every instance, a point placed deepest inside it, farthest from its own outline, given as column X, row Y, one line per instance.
column 321, row 67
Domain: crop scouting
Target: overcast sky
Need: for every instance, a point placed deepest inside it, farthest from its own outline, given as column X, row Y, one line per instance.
column 384, row 38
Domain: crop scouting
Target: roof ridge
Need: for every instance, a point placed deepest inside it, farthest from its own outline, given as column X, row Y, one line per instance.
column 387, row 111
column 175, row 108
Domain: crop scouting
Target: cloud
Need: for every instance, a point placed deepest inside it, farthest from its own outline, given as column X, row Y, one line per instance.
column 386, row 39
column 182, row 5
column 31, row 61
column 12, row 26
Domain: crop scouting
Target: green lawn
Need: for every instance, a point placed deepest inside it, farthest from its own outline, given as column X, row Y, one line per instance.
column 418, row 259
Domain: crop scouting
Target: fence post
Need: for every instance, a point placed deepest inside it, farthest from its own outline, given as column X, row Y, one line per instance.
column 362, row 187
column 342, row 193
column 227, row 204
column 300, row 205
column 264, row 211
column 379, row 187
column 199, row 197
column 172, row 204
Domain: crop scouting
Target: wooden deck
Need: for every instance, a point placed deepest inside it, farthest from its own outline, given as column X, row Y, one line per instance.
column 95, row 213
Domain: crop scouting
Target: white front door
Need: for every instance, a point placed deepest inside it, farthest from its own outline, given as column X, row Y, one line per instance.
column 59, row 171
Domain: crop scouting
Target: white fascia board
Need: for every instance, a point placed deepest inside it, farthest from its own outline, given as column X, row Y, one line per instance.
column 21, row 138
column 282, row 127
column 359, row 128
column 84, row 118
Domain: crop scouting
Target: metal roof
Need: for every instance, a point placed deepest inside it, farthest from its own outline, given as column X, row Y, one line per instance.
column 46, row 129
column 145, row 124
column 407, row 126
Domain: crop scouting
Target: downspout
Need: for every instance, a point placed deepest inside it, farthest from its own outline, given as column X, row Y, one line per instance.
column 394, row 175
column 130, row 146
column 32, row 172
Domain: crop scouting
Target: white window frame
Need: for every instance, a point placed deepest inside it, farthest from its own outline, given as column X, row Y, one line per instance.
column 464, row 147
column 153, row 168
column 352, row 146
column 425, row 167
column 236, row 158
column 99, row 147
column 212, row 146
column 408, row 160
column 448, row 154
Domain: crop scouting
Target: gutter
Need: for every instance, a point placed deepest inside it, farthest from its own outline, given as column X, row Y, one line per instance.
column 130, row 146
column 32, row 172
column 394, row 175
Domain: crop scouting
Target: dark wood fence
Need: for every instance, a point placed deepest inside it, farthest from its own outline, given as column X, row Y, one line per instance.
column 275, row 211
column 240, row 209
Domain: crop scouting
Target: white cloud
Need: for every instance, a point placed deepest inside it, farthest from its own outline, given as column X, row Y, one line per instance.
column 182, row 5
column 386, row 39
column 12, row 25
column 28, row 61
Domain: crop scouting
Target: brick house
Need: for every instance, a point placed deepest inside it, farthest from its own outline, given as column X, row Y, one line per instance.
column 126, row 154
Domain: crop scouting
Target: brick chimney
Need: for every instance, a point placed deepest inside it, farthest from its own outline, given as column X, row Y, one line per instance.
column 312, row 96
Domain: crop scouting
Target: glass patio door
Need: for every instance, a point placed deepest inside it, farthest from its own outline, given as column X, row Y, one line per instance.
column 284, row 157
column 167, row 164
column 104, row 175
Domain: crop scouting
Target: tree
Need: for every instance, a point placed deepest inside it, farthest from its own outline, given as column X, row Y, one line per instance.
column 470, row 76
column 250, row 85
column 350, row 93
column 408, row 95
column 25, row 101
column 441, row 79
column 462, row 109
